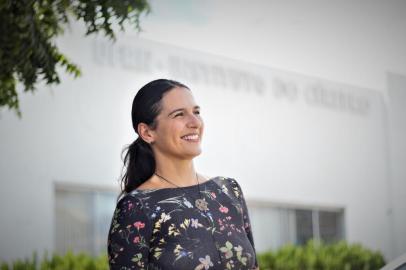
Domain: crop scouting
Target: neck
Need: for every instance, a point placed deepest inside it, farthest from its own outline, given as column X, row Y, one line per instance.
column 180, row 172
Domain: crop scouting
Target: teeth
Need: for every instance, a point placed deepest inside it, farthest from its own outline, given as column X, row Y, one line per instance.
column 191, row 137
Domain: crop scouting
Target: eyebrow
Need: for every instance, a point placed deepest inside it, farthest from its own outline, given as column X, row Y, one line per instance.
column 181, row 109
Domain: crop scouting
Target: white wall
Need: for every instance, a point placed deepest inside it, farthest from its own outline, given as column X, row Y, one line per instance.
column 351, row 41
column 397, row 158
column 281, row 149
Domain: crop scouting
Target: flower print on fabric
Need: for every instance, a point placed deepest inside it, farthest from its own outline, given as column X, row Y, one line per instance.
column 205, row 263
column 180, row 228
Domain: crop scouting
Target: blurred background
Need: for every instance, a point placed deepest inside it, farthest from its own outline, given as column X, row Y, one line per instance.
column 304, row 103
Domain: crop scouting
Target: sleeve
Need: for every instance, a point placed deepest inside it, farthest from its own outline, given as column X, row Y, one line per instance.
column 129, row 236
column 247, row 224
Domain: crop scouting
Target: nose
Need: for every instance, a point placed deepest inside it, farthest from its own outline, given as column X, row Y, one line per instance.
column 194, row 121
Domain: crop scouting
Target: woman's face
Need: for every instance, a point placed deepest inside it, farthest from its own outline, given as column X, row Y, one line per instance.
column 179, row 127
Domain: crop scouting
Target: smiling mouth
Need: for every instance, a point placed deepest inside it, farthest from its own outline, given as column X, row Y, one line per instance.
column 191, row 138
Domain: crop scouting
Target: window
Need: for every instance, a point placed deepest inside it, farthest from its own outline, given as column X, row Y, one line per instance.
column 331, row 226
column 304, row 226
column 82, row 218
column 275, row 225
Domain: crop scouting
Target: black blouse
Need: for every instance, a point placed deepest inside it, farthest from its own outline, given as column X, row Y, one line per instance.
column 178, row 228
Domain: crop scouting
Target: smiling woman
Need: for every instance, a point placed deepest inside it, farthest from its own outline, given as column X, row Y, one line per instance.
column 168, row 216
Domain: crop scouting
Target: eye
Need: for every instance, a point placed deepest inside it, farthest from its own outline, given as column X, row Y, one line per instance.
column 181, row 113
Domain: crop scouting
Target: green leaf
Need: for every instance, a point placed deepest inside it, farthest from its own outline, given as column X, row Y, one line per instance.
column 28, row 54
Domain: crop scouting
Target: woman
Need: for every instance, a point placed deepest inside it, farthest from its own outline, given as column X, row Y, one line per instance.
column 169, row 216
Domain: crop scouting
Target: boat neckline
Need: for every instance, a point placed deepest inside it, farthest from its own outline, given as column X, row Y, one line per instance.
column 175, row 188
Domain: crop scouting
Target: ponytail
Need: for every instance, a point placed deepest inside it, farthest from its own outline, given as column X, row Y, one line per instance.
column 140, row 165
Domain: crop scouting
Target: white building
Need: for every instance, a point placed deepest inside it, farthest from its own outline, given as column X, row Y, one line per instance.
column 318, row 155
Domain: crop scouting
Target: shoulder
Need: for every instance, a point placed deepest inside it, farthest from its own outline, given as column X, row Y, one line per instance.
column 132, row 203
column 134, row 196
column 229, row 185
column 226, row 180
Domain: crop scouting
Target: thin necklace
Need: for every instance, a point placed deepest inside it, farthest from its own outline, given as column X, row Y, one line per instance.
column 170, row 182
column 200, row 203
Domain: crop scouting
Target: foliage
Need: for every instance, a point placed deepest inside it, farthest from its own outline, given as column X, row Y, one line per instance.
column 313, row 256
column 28, row 29
column 319, row 256
column 69, row 261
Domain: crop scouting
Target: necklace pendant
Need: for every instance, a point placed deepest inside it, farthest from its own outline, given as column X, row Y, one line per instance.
column 201, row 204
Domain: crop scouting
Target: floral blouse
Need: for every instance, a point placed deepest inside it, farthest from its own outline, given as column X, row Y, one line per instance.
column 176, row 228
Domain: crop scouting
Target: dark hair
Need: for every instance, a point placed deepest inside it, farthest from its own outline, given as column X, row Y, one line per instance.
column 139, row 161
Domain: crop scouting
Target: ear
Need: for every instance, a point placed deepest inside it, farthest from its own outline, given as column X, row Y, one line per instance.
column 146, row 133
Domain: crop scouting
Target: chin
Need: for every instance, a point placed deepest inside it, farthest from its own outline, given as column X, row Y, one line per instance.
column 191, row 155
